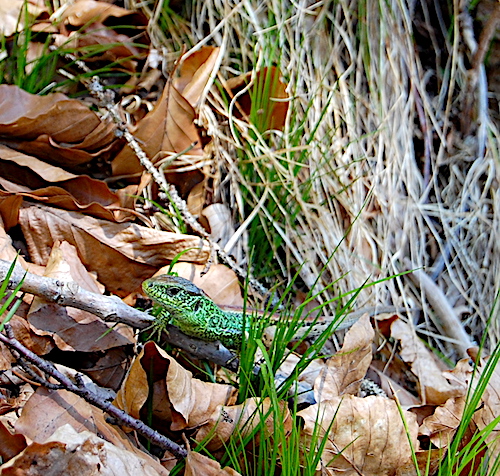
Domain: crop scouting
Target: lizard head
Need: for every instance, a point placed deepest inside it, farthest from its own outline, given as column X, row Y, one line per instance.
column 177, row 295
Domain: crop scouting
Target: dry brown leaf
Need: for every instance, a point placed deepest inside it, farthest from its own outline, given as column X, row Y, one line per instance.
column 366, row 436
column 11, row 17
column 11, row 443
column 23, row 174
column 196, row 200
column 309, row 375
column 83, row 12
column 9, row 217
column 194, row 73
column 178, row 398
column 6, row 358
column 272, row 110
column 61, row 130
column 122, row 255
column 43, row 170
column 26, row 176
column 61, row 198
column 73, row 329
column 117, row 47
column 73, row 454
column 24, row 333
column 390, row 386
column 220, row 221
column 434, row 388
column 220, row 282
column 134, row 390
column 47, row 410
column 191, row 398
column 168, row 128
column 428, row 463
column 489, row 407
column 441, row 426
column 345, row 370
column 244, row 418
column 200, row 465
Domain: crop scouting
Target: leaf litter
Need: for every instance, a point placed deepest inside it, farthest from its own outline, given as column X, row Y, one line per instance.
column 79, row 228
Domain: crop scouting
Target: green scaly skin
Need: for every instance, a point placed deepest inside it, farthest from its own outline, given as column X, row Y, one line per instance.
column 187, row 307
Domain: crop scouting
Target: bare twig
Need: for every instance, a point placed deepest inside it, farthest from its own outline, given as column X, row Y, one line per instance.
column 64, row 293
column 79, row 389
column 105, row 100
column 112, row 308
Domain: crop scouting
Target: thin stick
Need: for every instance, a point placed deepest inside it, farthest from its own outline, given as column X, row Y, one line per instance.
column 79, row 389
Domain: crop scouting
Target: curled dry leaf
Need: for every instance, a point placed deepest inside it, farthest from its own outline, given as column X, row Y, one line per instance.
column 270, row 112
column 75, row 453
column 46, row 410
column 178, row 399
column 12, row 18
column 434, row 388
column 11, row 444
column 6, row 359
column 25, row 334
column 345, row 370
column 243, row 419
column 116, row 47
column 122, row 255
column 198, row 464
column 44, row 171
column 84, row 12
column 73, row 329
column 61, row 130
column 29, row 177
column 61, row 198
column 168, row 129
column 441, row 426
column 134, row 390
column 365, row 435
column 489, row 407
column 220, row 222
column 194, row 73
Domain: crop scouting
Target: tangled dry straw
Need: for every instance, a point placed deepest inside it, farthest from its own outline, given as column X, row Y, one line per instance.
column 394, row 179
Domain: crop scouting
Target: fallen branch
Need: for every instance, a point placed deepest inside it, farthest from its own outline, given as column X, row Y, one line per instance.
column 79, row 388
column 69, row 293
column 105, row 99
column 112, row 309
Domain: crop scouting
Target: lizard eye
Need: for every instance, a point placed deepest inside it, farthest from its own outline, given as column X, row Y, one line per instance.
column 172, row 291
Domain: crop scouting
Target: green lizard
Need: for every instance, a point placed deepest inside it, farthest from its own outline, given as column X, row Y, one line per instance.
column 187, row 307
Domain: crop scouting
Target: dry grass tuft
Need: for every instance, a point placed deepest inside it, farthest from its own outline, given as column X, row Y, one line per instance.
column 379, row 170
